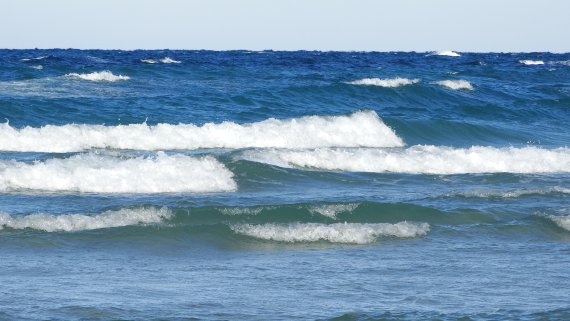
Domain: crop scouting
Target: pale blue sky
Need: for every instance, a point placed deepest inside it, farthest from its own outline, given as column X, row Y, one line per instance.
column 407, row 25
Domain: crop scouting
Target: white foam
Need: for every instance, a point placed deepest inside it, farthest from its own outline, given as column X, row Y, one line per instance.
column 242, row 210
column 149, row 61
column 362, row 128
column 447, row 53
column 562, row 221
column 99, row 76
column 513, row 193
column 167, row 60
column 531, row 62
column 420, row 159
column 332, row 210
column 106, row 174
column 455, row 84
column 354, row 233
column 37, row 58
column 83, row 222
column 38, row 67
column 388, row 82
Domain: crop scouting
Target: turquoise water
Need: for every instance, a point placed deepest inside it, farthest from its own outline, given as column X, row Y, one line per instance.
column 174, row 185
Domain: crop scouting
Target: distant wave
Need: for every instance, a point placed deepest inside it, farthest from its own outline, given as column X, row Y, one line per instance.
column 531, row 62
column 455, row 84
column 388, row 82
column 513, row 193
column 83, row 222
column 363, row 128
column 165, row 60
column 352, row 233
column 562, row 221
column 105, row 174
column 99, row 76
column 421, row 159
column 447, row 53
column 36, row 58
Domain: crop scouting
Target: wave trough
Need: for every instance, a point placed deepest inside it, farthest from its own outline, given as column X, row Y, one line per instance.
column 95, row 173
column 362, row 128
column 83, row 222
column 351, row 233
column 421, row 159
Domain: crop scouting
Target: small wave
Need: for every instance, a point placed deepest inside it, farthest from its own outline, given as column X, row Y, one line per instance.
column 562, row 62
column 562, row 221
column 455, row 84
column 421, row 159
column 99, row 76
column 513, row 193
column 362, row 128
column 82, row 222
column 447, row 53
column 232, row 211
column 167, row 60
column 332, row 210
column 105, row 174
column 37, row 67
column 149, row 61
column 388, row 82
column 531, row 62
column 352, row 233
column 33, row 59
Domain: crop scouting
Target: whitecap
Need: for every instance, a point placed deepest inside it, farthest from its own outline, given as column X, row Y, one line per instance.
column 531, row 62
column 167, row 60
column 447, row 53
column 455, row 84
column 99, row 76
column 83, row 222
column 420, row 159
column 362, row 128
column 512, row 193
column 351, row 233
column 562, row 221
column 332, row 210
column 387, row 82
column 149, row 61
column 36, row 58
column 106, row 174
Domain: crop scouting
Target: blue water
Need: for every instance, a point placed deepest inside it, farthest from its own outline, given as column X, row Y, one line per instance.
column 284, row 185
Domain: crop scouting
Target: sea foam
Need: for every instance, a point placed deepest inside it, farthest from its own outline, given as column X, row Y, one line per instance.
column 99, row 76
column 82, row 222
column 105, row 174
column 531, row 62
column 387, row 82
column 455, row 84
column 362, row 128
column 352, row 233
column 165, row 60
column 447, row 53
column 420, row 159
column 562, row 221
column 512, row 193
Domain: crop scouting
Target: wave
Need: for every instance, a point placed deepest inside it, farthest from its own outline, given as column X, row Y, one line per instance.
column 455, row 84
column 363, row 128
column 531, row 62
column 99, row 76
column 332, row 210
column 420, row 159
column 388, row 82
column 83, row 222
column 513, row 193
column 352, row 233
column 105, row 174
column 165, row 60
column 37, row 67
column 33, row 59
column 562, row 221
column 447, row 53
column 149, row 61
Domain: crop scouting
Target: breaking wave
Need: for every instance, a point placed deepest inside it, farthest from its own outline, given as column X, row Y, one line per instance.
column 447, row 53
column 388, row 82
column 421, row 159
column 332, row 210
column 562, row 221
column 105, row 174
column 531, row 62
column 83, row 222
column 352, row 233
column 362, row 128
column 99, row 76
column 455, row 84
column 165, row 60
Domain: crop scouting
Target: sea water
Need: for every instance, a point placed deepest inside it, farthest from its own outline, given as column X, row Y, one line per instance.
column 175, row 185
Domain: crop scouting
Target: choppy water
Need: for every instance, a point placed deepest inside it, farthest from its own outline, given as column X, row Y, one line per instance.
column 284, row 185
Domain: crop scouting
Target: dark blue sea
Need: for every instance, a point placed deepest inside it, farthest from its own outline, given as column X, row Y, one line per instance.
column 241, row 185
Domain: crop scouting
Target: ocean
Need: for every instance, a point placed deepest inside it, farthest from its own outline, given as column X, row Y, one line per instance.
column 267, row 185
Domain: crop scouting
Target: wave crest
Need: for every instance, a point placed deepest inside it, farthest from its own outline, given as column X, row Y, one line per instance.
column 362, row 128
column 82, row 222
column 447, row 53
column 387, row 82
column 105, row 75
column 352, row 233
column 531, row 62
column 104, row 174
column 421, row 159
column 562, row 221
column 455, row 84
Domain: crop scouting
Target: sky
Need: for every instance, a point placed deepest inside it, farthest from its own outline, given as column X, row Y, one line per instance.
column 346, row 25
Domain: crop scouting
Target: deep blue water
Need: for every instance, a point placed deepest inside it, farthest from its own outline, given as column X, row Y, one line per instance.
column 174, row 185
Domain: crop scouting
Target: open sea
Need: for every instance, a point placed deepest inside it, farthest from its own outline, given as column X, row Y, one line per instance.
column 241, row 185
